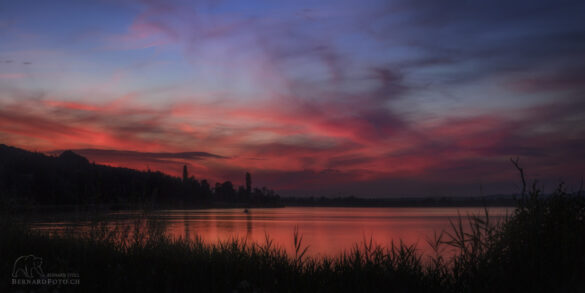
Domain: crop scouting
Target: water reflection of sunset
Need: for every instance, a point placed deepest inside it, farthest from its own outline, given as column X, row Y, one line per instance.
column 327, row 231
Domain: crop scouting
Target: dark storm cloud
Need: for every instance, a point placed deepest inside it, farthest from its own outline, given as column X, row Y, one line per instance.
column 484, row 38
column 116, row 155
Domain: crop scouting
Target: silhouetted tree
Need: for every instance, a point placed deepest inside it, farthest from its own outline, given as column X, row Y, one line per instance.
column 185, row 173
column 242, row 194
column 248, row 183
column 225, row 191
column 28, row 178
column 205, row 189
column 228, row 190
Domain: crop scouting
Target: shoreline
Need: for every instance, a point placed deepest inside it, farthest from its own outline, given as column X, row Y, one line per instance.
column 489, row 258
column 373, row 204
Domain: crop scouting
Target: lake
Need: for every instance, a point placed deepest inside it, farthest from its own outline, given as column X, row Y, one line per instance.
column 327, row 230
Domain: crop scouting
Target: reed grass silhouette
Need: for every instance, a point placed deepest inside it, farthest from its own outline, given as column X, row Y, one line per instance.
column 538, row 248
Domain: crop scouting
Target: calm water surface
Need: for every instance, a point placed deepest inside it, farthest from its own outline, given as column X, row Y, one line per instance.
column 327, row 230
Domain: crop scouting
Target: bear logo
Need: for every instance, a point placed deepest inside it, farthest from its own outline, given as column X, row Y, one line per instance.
column 28, row 266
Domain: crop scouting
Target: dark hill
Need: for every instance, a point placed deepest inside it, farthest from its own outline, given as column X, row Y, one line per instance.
column 35, row 178
column 73, row 158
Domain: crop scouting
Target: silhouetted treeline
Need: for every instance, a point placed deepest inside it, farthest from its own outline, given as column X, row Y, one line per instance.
column 34, row 178
column 352, row 201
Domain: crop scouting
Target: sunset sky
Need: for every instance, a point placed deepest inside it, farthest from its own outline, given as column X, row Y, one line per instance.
column 371, row 98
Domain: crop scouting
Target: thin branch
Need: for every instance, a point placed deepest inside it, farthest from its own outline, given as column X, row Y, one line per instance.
column 515, row 163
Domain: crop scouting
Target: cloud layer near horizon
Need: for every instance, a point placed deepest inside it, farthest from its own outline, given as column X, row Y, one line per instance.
column 392, row 98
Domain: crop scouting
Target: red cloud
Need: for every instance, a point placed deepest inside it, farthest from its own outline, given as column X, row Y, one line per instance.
column 292, row 146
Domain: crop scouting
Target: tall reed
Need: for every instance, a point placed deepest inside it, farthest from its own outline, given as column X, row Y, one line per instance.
column 538, row 248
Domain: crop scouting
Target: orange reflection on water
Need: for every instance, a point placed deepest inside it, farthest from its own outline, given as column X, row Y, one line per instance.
column 326, row 230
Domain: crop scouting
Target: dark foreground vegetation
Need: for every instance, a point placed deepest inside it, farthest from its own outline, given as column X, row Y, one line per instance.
column 539, row 248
